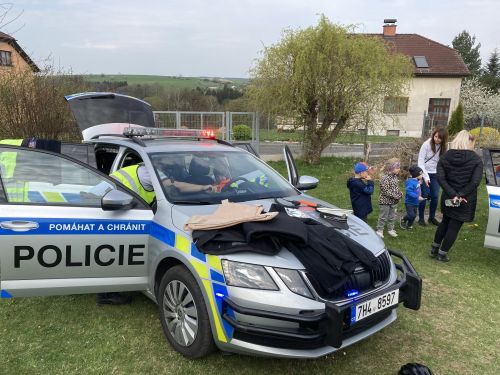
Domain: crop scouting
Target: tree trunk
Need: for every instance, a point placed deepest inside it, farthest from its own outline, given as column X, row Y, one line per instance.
column 318, row 138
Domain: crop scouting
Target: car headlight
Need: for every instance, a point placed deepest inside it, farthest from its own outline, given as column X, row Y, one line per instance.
column 294, row 281
column 247, row 275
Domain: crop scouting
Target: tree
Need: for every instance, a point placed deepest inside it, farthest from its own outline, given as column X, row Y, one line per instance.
column 491, row 74
column 457, row 120
column 464, row 44
column 479, row 102
column 326, row 72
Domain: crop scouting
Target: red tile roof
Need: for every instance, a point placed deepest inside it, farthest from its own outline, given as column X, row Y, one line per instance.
column 10, row 40
column 442, row 60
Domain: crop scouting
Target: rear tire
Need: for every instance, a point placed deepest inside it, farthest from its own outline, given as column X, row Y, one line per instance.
column 183, row 313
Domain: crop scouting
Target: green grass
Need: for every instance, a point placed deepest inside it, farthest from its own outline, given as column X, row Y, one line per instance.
column 297, row 136
column 455, row 332
column 166, row 81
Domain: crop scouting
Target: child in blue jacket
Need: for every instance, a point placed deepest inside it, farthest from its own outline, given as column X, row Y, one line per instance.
column 413, row 196
column 361, row 189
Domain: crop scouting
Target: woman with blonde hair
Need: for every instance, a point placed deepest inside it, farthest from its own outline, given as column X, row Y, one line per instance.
column 459, row 173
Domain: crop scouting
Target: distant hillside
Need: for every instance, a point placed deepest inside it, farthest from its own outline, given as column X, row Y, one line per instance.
column 167, row 81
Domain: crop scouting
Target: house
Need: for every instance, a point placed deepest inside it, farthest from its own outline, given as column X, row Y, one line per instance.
column 434, row 91
column 13, row 57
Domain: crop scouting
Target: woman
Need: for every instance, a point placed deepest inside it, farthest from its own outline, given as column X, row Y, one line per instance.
column 428, row 157
column 459, row 172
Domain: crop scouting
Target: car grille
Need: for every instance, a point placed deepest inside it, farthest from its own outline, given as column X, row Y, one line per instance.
column 362, row 280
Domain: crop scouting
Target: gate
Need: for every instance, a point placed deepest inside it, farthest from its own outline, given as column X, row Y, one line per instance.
column 221, row 122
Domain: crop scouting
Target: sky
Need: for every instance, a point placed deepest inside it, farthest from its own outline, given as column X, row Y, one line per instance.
column 217, row 38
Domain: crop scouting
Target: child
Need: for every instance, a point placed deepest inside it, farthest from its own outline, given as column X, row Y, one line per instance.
column 413, row 196
column 390, row 194
column 361, row 190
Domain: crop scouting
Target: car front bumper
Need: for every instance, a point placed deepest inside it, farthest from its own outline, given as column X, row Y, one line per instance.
column 318, row 333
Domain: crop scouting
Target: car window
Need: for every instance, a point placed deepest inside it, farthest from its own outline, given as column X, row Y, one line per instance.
column 31, row 176
column 217, row 175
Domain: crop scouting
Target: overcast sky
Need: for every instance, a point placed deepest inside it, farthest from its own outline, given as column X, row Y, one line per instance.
column 215, row 37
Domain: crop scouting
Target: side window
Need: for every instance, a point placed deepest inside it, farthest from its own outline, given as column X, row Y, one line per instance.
column 495, row 158
column 31, row 176
column 130, row 158
column 491, row 159
column 105, row 155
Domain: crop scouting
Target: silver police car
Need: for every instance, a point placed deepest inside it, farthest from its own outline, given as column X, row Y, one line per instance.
column 66, row 227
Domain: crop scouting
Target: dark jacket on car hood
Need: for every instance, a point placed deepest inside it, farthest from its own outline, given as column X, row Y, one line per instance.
column 459, row 173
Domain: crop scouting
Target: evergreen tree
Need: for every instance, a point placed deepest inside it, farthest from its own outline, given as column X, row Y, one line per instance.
column 456, row 123
column 491, row 74
column 464, row 44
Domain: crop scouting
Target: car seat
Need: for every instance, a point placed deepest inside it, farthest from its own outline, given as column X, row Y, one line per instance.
column 198, row 172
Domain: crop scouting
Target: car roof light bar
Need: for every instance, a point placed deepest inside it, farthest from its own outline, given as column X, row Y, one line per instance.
column 162, row 132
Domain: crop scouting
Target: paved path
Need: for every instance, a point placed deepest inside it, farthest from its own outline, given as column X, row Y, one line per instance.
column 274, row 150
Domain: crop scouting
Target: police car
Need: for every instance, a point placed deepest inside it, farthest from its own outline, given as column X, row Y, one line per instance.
column 76, row 230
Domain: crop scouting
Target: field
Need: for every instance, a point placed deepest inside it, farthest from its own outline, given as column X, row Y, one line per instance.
column 166, row 81
column 455, row 332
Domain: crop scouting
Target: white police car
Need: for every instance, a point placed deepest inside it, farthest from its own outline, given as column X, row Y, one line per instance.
column 80, row 231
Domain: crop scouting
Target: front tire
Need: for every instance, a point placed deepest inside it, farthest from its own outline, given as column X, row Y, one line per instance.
column 183, row 313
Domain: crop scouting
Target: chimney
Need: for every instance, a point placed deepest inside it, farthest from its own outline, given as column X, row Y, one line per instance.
column 390, row 27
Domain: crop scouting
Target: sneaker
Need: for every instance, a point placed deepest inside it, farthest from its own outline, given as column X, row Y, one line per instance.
column 422, row 223
column 380, row 233
column 434, row 221
column 392, row 233
column 403, row 223
column 409, row 227
column 443, row 258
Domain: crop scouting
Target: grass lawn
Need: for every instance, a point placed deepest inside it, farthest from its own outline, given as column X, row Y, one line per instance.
column 297, row 136
column 455, row 332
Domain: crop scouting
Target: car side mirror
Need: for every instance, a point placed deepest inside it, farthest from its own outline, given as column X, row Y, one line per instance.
column 307, row 183
column 117, row 200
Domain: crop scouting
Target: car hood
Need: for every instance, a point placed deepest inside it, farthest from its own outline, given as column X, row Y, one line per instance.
column 358, row 230
column 92, row 109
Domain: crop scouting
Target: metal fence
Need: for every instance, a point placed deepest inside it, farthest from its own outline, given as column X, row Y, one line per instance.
column 221, row 122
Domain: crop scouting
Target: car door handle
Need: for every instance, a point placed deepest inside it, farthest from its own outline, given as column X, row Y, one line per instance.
column 19, row 225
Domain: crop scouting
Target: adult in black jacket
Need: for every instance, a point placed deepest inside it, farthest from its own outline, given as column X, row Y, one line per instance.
column 459, row 173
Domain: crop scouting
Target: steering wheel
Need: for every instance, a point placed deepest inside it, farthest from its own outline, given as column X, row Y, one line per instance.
column 227, row 186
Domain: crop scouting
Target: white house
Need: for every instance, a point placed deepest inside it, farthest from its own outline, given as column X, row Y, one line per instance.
column 434, row 90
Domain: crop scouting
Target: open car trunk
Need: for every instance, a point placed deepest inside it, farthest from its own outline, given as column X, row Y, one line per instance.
column 98, row 113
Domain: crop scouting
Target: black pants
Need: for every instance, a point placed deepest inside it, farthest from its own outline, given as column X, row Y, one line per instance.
column 411, row 213
column 446, row 232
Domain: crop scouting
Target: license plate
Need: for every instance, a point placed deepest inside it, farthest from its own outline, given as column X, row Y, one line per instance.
column 374, row 305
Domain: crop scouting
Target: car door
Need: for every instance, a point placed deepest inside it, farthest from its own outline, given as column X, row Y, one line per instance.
column 57, row 238
column 492, row 171
column 293, row 174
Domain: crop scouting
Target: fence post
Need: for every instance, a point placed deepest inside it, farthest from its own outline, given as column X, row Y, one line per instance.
column 177, row 120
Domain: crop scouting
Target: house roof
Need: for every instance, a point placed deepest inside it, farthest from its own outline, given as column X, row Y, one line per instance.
column 442, row 60
column 11, row 41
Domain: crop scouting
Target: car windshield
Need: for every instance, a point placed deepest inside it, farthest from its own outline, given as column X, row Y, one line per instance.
column 210, row 177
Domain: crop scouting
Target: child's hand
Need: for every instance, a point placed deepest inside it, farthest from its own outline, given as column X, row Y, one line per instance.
column 421, row 198
column 367, row 177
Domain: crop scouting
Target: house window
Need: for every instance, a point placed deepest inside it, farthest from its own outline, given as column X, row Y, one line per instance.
column 394, row 104
column 5, row 58
column 439, row 110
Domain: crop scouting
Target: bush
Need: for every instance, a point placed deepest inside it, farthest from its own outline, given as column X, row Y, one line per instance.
column 34, row 105
column 456, row 123
column 242, row 133
column 490, row 136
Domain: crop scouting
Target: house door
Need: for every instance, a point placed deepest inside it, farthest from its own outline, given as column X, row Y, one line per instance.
column 439, row 110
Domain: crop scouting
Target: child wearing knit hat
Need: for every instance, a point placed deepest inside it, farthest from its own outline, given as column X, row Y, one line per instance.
column 390, row 195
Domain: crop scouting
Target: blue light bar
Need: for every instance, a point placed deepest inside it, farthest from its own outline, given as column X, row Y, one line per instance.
column 352, row 293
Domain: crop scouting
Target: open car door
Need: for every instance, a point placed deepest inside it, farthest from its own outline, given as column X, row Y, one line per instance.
column 98, row 113
column 492, row 171
column 66, row 228
column 300, row 182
